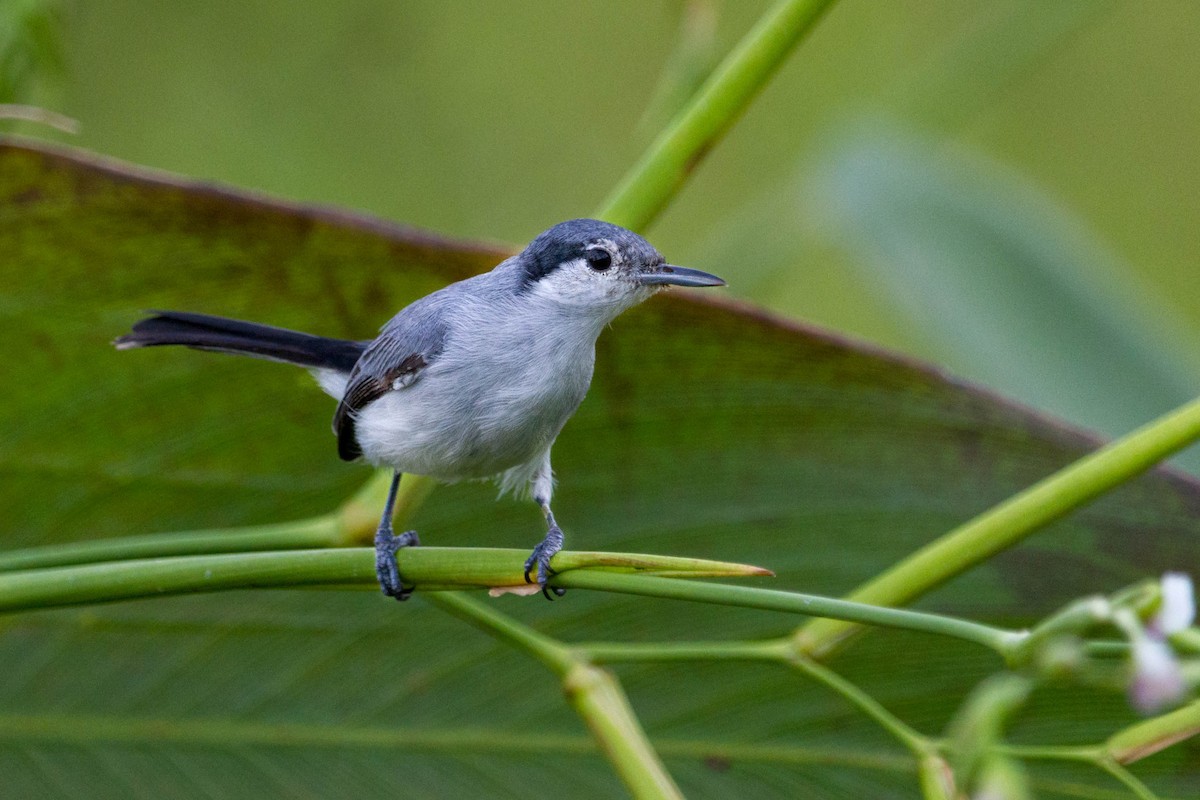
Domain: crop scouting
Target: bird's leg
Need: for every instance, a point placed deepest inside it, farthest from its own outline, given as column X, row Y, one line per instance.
column 545, row 551
column 386, row 545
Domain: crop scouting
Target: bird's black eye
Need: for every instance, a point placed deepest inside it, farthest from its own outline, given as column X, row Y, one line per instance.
column 598, row 259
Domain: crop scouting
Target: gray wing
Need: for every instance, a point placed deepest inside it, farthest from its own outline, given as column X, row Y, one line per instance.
column 411, row 341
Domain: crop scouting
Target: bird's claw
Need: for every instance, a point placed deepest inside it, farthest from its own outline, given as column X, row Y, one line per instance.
column 386, row 569
column 540, row 557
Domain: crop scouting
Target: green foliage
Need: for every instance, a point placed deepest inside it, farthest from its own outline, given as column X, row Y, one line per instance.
column 711, row 431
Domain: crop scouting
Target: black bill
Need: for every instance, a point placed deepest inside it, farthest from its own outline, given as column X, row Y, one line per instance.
column 667, row 274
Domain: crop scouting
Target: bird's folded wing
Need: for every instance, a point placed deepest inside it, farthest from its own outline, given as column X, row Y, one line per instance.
column 411, row 341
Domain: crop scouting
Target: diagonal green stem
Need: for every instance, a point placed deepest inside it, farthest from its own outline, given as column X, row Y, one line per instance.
column 917, row 744
column 655, row 179
column 936, row 778
column 305, row 533
column 775, row 650
column 556, row 656
column 352, row 524
column 1144, row 738
column 1129, row 780
column 359, row 516
column 1149, row 736
column 594, row 693
column 1013, row 520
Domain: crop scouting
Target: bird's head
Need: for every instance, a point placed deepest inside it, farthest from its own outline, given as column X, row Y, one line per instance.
column 598, row 265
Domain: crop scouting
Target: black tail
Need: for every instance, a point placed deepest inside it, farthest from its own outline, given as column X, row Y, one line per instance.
column 203, row 332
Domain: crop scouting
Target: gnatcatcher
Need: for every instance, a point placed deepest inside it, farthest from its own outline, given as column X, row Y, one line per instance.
column 472, row 381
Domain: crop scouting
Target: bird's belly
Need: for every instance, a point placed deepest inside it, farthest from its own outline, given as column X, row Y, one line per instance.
column 438, row 429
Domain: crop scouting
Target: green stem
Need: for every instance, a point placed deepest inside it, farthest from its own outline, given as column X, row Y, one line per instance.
column 655, row 179
column 429, row 568
column 998, row 639
column 594, row 693
column 1187, row 641
column 159, row 577
column 1127, row 778
column 776, row 650
column 936, row 778
column 1107, row 648
column 1090, row 755
column 920, row 746
column 306, row 533
column 1076, row 618
column 979, row 723
column 358, row 517
column 354, row 523
column 613, row 652
column 1096, row 756
column 1013, row 520
column 599, row 699
column 557, row 657
column 1152, row 735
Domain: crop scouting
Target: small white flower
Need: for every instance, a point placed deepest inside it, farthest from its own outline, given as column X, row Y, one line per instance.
column 1178, row 609
column 1157, row 681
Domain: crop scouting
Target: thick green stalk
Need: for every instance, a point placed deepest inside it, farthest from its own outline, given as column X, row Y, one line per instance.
column 593, row 692
column 359, row 516
column 978, row 725
column 655, row 179
column 1013, row 520
column 159, row 577
column 1000, row 640
column 937, row 780
column 1150, row 736
column 596, row 696
column 429, row 568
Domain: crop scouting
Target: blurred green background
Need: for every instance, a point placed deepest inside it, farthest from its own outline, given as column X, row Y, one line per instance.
column 1006, row 188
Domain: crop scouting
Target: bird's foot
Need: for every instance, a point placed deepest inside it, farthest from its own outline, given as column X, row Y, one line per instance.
column 386, row 545
column 541, row 559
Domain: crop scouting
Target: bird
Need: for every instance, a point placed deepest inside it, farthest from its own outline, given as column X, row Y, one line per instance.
column 473, row 381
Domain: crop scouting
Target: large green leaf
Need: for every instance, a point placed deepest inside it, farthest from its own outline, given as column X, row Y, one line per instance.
column 712, row 430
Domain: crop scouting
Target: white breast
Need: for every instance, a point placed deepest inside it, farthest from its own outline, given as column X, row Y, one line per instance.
column 496, row 396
